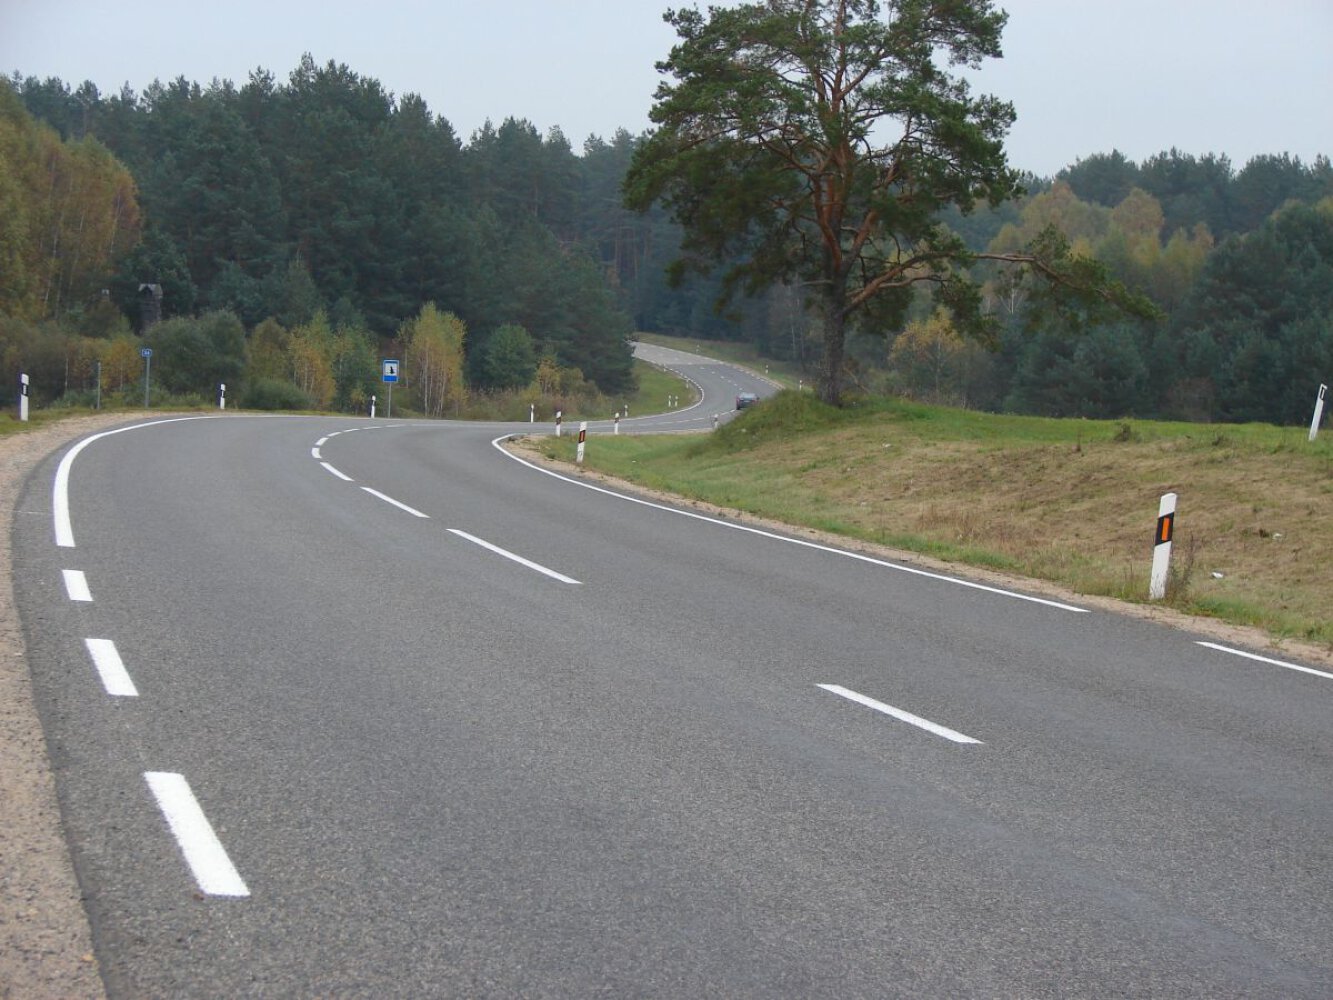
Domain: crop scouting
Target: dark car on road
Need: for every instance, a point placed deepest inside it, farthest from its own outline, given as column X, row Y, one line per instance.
column 746, row 399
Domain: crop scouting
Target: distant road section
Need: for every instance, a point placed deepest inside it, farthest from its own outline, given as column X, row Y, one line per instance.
column 717, row 381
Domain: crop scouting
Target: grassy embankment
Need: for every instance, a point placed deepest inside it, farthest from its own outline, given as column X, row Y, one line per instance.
column 1073, row 502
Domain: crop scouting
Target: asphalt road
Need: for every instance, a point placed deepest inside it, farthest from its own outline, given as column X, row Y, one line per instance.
column 455, row 726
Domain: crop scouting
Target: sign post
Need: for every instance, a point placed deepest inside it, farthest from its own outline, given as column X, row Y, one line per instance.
column 1318, row 412
column 147, row 355
column 390, row 376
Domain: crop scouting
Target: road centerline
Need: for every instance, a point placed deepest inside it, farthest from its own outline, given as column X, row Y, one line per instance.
column 900, row 714
column 204, row 853
column 111, row 668
column 397, row 503
column 538, row 567
column 76, row 585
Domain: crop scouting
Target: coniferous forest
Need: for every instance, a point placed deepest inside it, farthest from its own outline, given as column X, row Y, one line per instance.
column 283, row 236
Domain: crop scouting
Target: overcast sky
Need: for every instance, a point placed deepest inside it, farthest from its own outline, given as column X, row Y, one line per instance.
column 1086, row 76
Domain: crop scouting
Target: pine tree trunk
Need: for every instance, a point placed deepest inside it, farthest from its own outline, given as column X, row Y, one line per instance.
column 835, row 324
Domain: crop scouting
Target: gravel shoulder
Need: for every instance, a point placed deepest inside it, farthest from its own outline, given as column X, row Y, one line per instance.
column 45, row 941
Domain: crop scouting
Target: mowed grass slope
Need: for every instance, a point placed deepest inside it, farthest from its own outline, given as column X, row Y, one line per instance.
column 1073, row 502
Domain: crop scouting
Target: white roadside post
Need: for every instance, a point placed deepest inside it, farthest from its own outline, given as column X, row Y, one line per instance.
column 532, row 413
column 222, row 395
column 1318, row 411
column 1161, row 555
column 372, row 407
column 583, row 436
column 617, row 427
column 23, row 396
column 716, row 418
column 559, row 419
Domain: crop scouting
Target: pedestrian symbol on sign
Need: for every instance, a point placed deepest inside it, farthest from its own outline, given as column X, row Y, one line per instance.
column 390, row 370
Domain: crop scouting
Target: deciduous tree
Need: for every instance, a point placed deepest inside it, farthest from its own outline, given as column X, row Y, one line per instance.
column 309, row 349
column 433, row 359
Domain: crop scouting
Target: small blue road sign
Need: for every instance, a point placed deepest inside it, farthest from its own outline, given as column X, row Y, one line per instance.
column 146, row 352
column 390, row 370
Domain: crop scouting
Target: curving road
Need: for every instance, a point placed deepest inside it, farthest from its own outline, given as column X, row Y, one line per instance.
column 363, row 709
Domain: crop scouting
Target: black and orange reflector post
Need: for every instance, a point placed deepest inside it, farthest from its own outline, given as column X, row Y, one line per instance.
column 1161, row 555
column 583, row 436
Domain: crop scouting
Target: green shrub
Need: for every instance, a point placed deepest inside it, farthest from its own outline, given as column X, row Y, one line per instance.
column 274, row 394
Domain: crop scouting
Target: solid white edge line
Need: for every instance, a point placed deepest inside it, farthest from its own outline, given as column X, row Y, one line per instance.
column 1265, row 659
column 860, row 557
column 344, row 478
column 60, row 490
column 111, row 668
column 204, row 853
column 899, row 714
column 402, row 506
column 516, row 558
column 76, row 585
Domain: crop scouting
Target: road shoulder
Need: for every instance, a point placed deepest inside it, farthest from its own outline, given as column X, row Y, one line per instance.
column 45, row 942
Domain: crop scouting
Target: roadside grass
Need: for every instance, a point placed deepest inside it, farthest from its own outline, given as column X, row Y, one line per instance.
column 1073, row 502
column 11, row 424
column 655, row 386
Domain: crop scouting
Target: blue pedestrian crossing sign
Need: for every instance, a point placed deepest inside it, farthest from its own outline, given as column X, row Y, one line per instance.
column 390, row 370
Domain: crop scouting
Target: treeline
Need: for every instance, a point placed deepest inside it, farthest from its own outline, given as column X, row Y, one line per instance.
column 325, row 200
column 300, row 230
column 1240, row 265
column 68, row 211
